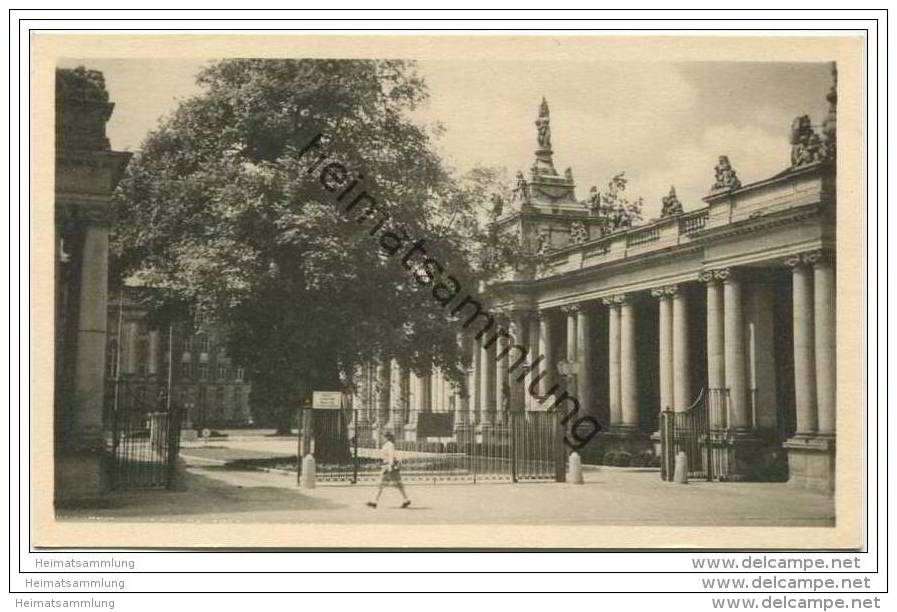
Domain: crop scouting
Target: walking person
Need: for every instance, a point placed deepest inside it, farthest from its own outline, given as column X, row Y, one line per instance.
column 390, row 472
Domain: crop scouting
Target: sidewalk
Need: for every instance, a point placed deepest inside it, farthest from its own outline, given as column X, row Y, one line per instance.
column 610, row 496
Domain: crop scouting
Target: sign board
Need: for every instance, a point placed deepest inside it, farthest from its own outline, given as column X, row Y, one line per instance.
column 327, row 400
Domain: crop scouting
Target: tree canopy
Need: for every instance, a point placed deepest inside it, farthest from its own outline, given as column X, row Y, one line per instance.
column 225, row 210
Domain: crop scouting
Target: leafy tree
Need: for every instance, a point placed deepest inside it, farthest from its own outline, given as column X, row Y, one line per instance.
column 618, row 211
column 225, row 209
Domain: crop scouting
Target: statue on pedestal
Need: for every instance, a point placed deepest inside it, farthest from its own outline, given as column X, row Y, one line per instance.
column 578, row 233
column 671, row 204
column 726, row 178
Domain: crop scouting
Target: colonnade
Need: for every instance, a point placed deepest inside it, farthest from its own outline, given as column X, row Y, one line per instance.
column 517, row 368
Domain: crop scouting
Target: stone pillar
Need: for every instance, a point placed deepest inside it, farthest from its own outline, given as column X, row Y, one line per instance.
column 628, row 388
column 534, row 344
column 502, row 384
column 462, row 404
column 761, row 370
column 804, row 349
column 716, row 366
column 152, row 365
column 382, row 391
column 549, row 365
column 518, row 386
column 616, row 414
column 824, row 340
column 665, row 348
column 475, row 375
column 584, row 347
column 487, row 381
column 572, row 315
column 90, row 363
column 733, row 332
column 131, row 350
column 681, row 365
column 811, row 452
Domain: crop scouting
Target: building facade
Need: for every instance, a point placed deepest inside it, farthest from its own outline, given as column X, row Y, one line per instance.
column 86, row 174
column 729, row 308
column 203, row 380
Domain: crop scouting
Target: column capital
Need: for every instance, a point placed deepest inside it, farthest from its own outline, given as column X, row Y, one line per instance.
column 615, row 300
column 809, row 258
column 665, row 291
column 726, row 275
column 718, row 275
column 571, row 308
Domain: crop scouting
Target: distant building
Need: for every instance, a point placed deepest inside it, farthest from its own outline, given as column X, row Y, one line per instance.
column 204, row 381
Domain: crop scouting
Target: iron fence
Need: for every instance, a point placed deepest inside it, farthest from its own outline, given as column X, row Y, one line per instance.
column 143, row 438
column 503, row 446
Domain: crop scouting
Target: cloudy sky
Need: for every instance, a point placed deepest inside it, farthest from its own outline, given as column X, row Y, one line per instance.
column 662, row 123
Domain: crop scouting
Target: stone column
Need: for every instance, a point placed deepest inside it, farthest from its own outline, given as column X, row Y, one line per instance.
column 475, row 375
column 383, row 390
column 665, row 348
column 811, row 452
column 487, row 381
column 681, row 365
column 550, row 363
column 534, row 344
column 584, row 348
column 761, row 370
column 131, row 351
column 733, row 332
column 152, row 365
column 716, row 367
column 518, row 387
column 804, row 348
column 90, row 362
column 824, row 340
column 616, row 414
column 462, row 404
column 502, row 386
column 628, row 388
column 572, row 314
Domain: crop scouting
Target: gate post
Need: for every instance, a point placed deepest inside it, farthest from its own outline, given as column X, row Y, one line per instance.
column 174, row 442
column 355, row 446
column 513, row 425
column 666, row 445
column 560, row 462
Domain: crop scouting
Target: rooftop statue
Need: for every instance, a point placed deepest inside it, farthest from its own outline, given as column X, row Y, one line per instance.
column 726, row 178
column 543, row 242
column 671, row 204
column 543, row 126
column 829, row 125
column 578, row 233
column 806, row 146
column 594, row 201
column 521, row 189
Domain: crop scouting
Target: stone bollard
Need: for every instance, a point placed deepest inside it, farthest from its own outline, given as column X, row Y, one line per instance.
column 680, row 475
column 307, row 480
column 574, row 469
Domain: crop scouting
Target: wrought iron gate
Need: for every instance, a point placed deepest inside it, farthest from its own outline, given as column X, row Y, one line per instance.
column 509, row 446
column 689, row 432
column 144, row 440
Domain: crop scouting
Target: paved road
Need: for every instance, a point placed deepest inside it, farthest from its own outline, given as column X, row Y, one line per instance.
column 610, row 496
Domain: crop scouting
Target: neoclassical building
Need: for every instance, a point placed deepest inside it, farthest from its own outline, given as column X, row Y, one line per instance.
column 728, row 309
